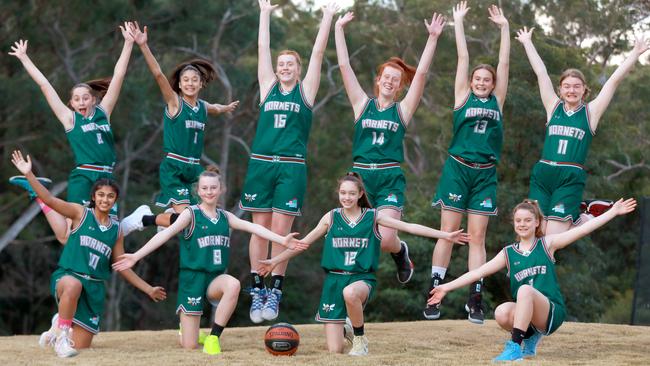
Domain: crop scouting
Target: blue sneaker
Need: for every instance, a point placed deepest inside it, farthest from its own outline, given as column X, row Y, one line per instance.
column 272, row 304
column 22, row 182
column 258, row 297
column 511, row 352
column 530, row 345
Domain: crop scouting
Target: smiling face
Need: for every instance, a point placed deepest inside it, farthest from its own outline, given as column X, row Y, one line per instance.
column 104, row 198
column 82, row 101
column 482, row 83
column 288, row 68
column 190, row 83
column 525, row 223
column 389, row 83
column 209, row 189
column 572, row 90
column 349, row 194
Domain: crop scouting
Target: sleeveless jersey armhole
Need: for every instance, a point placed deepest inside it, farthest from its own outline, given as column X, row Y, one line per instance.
column 331, row 221
column 205, row 108
column 108, row 118
column 546, row 250
column 304, row 99
column 505, row 252
column 464, row 101
column 375, row 225
column 593, row 132
column 74, row 123
column 268, row 92
column 365, row 108
column 401, row 117
column 178, row 112
column 557, row 105
column 190, row 229
column 81, row 222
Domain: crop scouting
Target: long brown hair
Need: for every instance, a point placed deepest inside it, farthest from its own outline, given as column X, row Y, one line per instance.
column 408, row 73
column 355, row 178
column 575, row 73
column 103, row 182
column 203, row 67
column 533, row 207
column 96, row 87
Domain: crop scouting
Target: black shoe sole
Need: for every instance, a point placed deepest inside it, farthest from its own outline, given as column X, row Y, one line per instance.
column 469, row 317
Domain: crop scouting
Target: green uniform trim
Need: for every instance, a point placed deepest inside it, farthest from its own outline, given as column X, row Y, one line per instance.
column 568, row 135
column 205, row 243
column 536, row 268
column 91, row 138
column 183, row 133
column 379, row 134
column 192, row 290
column 558, row 191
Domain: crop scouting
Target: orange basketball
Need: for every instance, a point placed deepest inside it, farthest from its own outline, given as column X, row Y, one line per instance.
column 281, row 339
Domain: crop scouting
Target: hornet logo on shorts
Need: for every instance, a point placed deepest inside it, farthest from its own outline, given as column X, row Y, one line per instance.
column 559, row 208
column 94, row 320
column 250, row 197
column 391, row 198
column 455, row 197
column 328, row 307
column 487, row 203
column 183, row 192
column 293, row 203
column 194, row 300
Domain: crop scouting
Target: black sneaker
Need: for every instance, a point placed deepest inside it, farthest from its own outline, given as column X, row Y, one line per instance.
column 432, row 312
column 474, row 309
column 403, row 263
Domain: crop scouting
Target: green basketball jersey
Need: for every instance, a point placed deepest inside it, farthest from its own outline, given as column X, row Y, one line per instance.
column 478, row 130
column 205, row 245
column 379, row 134
column 89, row 247
column 568, row 135
column 91, row 139
column 284, row 123
column 536, row 269
column 352, row 246
column 183, row 133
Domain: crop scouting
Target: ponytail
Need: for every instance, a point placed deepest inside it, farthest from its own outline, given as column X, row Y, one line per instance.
column 355, row 178
column 203, row 67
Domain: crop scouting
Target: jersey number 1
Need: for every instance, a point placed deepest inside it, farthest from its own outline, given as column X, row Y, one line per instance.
column 99, row 138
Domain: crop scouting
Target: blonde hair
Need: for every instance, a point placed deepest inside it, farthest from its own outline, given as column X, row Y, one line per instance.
column 574, row 73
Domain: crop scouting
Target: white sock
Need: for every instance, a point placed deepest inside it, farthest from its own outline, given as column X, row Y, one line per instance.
column 441, row 271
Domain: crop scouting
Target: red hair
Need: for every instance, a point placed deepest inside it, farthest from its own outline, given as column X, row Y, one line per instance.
column 408, row 73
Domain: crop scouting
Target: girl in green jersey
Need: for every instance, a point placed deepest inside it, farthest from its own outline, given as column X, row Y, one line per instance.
column 538, row 307
column 204, row 260
column 468, row 183
column 78, row 283
column 86, row 120
column 558, row 178
column 350, row 259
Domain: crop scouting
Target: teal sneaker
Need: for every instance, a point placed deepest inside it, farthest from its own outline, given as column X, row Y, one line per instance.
column 211, row 345
column 530, row 345
column 511, row 352
column 22, row 182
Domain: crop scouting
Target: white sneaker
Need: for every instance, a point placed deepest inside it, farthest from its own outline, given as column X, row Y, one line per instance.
column 348, row 332
column 133, row 222
column 359, row 346
column 64, row 346
column 49, row 337
column 169, row 211
column 271, row 307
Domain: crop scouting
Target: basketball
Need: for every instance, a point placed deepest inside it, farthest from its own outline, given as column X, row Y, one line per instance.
column 281, row 339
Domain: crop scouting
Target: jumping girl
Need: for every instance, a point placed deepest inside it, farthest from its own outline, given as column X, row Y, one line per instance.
column 184, row 126
column 539, row 307
column 558, row 178
column 468, row 183
column 86, row 120
column 276, row 180
column 379, row 128
column 350, row 259
column 204, row 257
column 78, row 282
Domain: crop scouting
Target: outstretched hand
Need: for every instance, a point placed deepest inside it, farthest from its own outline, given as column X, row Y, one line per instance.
column 24, row 166
column 496, row 16
column 345, row 19
column 139, row 36
column 19, row 49
column 265, row 267
column 124, row 262
column 331, row 8
column 641, row 45
column 126, row 31
column 265, row 5
column 157, row 293
column 437, row 294
column 622, row 207
column 460, row 10
column 292, row 243
column 436, row 26
column 458, row 237
column 525, row 35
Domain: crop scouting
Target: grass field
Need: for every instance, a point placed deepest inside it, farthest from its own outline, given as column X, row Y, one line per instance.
column 444, row 342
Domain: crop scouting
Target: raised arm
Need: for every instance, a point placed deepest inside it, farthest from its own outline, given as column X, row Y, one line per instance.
column 312, row 78
column 494, row 265
column 462, row 84
column 288, row 241
column 356, row 95
column 156, row 293
column 113, row 92
column 68, row 209
column 420, row 230
column 62, row 112
column 169, row 95
column 128, row 260
column 503, row 68
column 265, row 74
column 598, row 106
column 410, row 102
column 561, row 240
column 549, row 98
